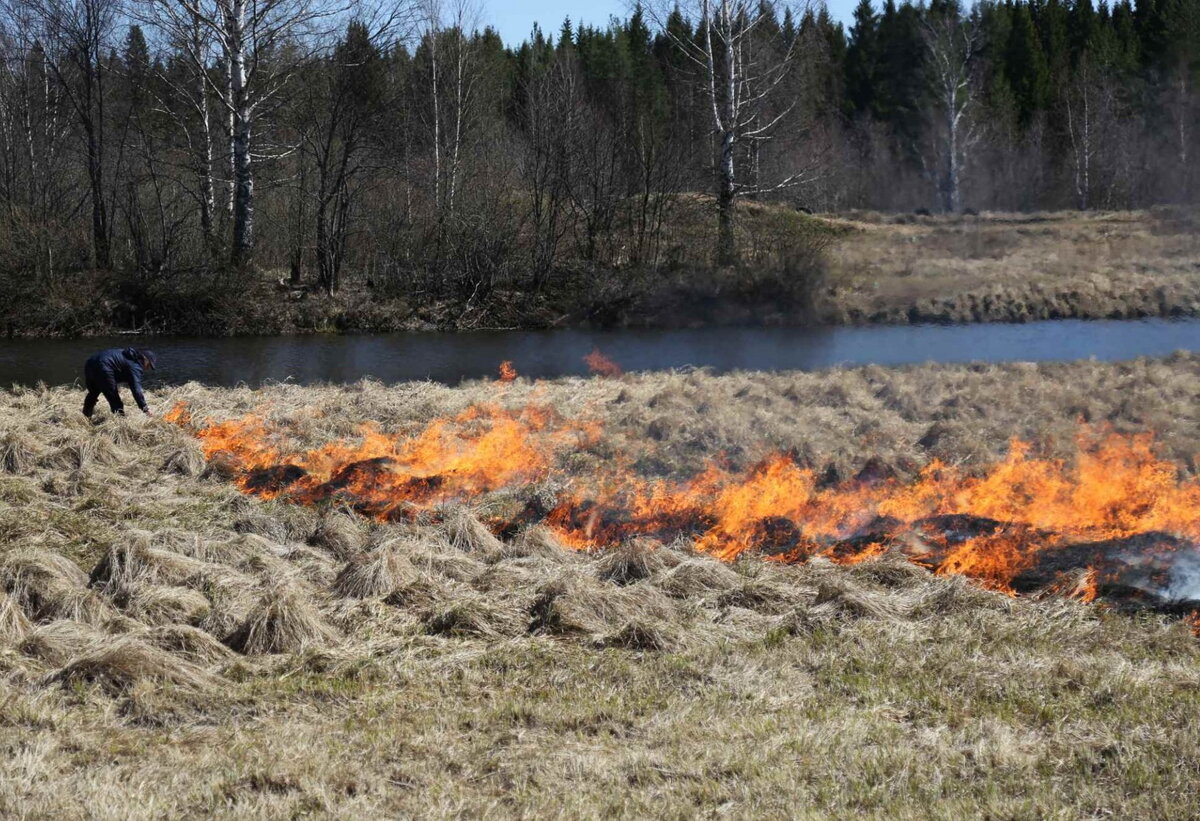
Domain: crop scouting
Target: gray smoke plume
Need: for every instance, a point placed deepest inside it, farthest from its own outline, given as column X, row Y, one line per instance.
column 1184, row 579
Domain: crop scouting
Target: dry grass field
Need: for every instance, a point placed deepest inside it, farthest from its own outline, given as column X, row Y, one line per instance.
column 1015, row 267
column 172, row 647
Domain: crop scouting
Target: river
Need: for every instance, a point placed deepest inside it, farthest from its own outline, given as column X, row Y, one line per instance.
column 453, row 357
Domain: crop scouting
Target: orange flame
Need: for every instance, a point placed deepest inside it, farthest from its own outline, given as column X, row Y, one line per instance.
column 507, row 372
column 480, row 450
column 1023, row 521
column 601, row 365
column 1192, row 620
column 179, row 415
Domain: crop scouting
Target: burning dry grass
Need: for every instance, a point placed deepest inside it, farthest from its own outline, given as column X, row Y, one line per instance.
column 170, row 645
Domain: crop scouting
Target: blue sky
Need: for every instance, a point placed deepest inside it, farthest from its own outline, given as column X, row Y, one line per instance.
column 515, row 18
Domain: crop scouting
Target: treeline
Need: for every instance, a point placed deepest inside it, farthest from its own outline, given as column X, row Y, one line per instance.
column 159, row 142
column 1054, row 104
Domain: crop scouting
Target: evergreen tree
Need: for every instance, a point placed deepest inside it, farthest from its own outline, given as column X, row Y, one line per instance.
column 1128, row 54
column 1084, row 28
column 1025, row 65
column 862, row 59
column 899, row 81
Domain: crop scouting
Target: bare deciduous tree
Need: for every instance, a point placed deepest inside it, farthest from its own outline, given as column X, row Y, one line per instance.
column 952, row 46
column 262, row 43
column 34, row 131
column 73, row 38
column 186, row 101
column 343, row 102
column 448, row 26
column 1090, row 104
column 548, row 124
column 741, row 58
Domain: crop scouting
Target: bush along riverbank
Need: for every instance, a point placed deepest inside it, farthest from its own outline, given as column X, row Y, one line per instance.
column 851, row 269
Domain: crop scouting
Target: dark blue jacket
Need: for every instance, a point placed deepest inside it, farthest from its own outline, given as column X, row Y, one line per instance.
column 105, row 370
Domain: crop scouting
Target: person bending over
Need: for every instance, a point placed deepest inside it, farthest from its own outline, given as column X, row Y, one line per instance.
column 104, row 371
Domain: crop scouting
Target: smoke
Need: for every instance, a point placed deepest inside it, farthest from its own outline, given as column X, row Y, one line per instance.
column 1184, row 580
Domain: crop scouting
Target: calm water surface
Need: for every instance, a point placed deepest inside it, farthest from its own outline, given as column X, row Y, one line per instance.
column 453, row 357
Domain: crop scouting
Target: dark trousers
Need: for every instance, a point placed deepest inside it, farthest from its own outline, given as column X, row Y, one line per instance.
column 99, row 383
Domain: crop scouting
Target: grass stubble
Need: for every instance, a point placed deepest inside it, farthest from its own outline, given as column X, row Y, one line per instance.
column 172, row 648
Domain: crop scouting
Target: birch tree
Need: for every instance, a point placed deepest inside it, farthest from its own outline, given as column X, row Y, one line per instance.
column 1091, row 110
column 187, row 97
column 447, row 27
column 952, row 49
column 35, row 187
column 262, row 44
column 741, row 59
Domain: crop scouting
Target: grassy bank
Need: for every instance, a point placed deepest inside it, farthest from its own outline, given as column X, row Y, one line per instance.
column 1015, row 268
column 847, row 269
column 170, row 646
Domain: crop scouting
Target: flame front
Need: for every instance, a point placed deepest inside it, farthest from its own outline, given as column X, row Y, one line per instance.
column 1025, row 521
column 480, row 450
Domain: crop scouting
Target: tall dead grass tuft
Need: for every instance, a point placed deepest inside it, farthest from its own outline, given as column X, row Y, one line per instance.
column 465, row 532
column 193, row 644
column 162, row 605
column 14, row 624
column 576, row 603
column 430, row 554
column 258, row 523
column 839, row 597
column 890, row 571
column 526, row 573
column 185, row 459
column 58, row 641
column 957, row 594
column 538, row 541
column 640, row 635
column 377, row 574
column 238, row 551
column 634, row 561
column 696, row 577
column 129, row 661
column 760, row 595
column 232, row 598
column 18, row 453
column 474, row 615
column 82, row 450
column 136, row 561
column 422, row 595
column 341, row 533
column 284, row 621
column 49, row 585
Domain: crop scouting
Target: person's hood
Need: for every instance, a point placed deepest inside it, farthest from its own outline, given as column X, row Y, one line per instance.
column 141, row 356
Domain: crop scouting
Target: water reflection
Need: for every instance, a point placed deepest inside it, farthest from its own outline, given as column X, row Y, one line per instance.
column 452, row 357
